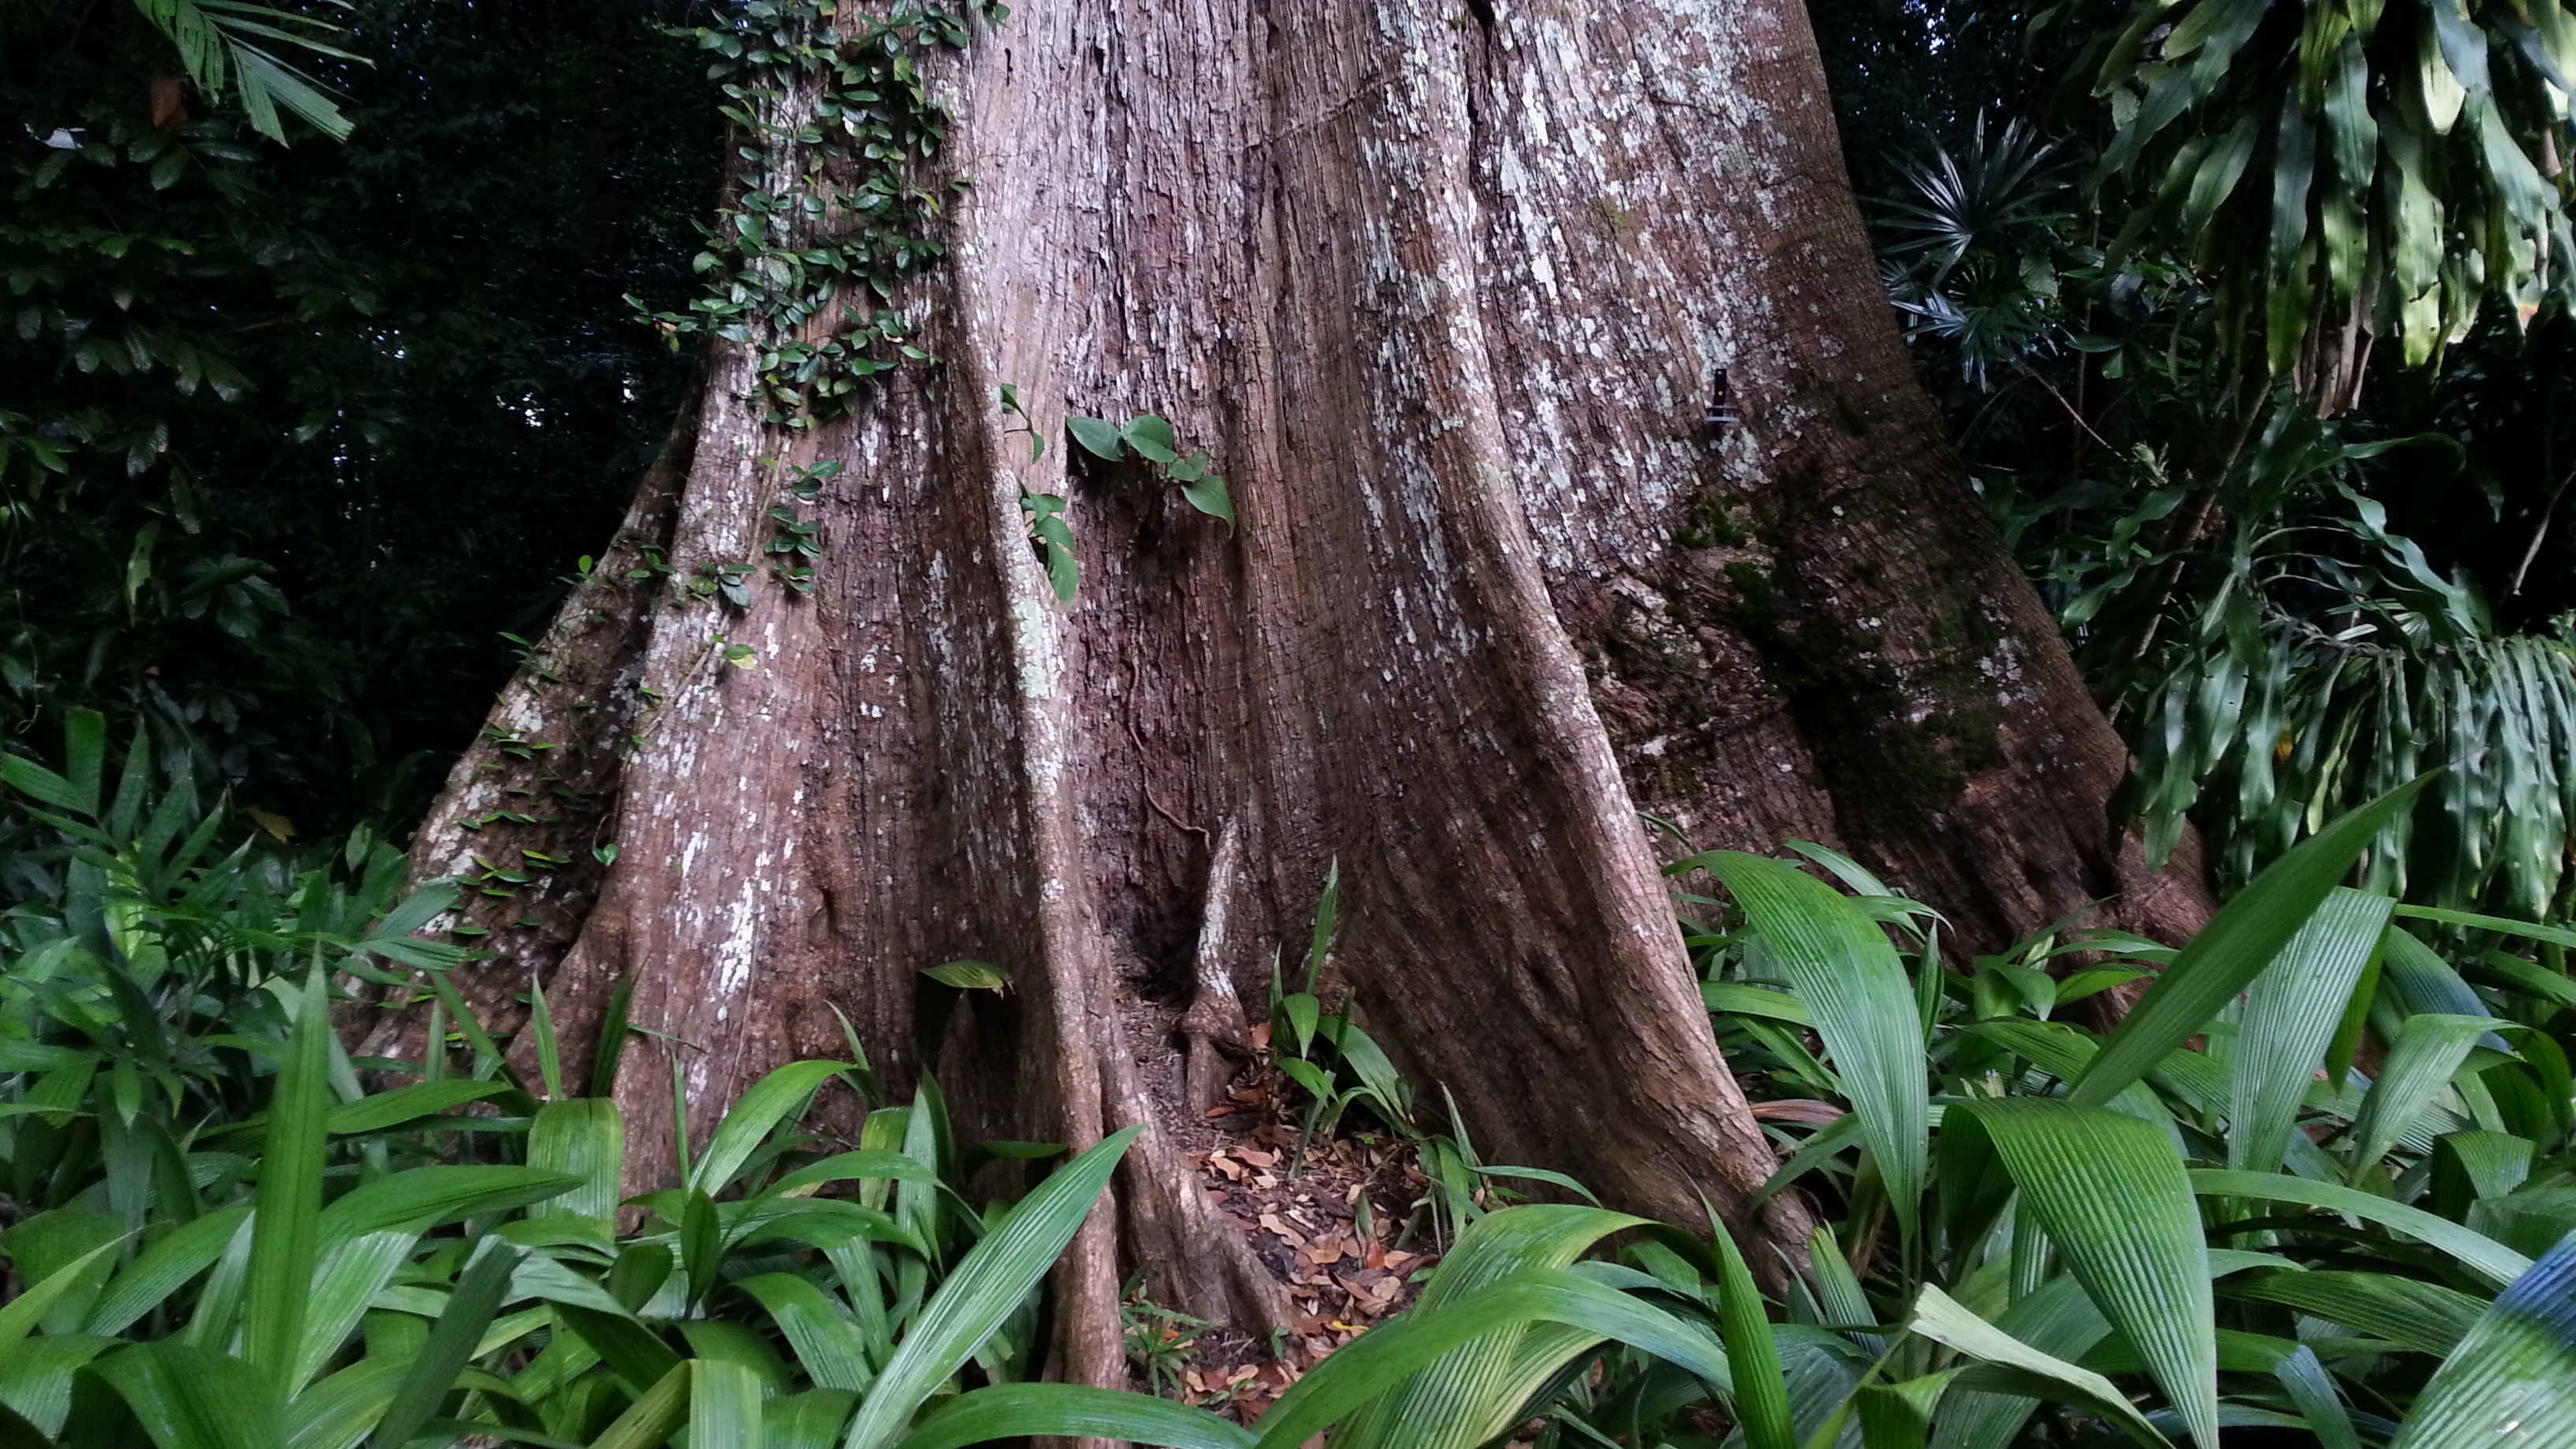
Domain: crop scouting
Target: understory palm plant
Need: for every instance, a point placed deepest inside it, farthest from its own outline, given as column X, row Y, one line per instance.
column 2324, row 1219
column 2345, row 1215
column 219, row 1236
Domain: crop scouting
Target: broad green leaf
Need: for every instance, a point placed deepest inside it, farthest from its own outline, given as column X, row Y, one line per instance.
column 43, row 785
column 36, row 1376
column 2420, row 982
column 161, row 1270
column 657, row 1414
column 1849, row 977
column 379, row 1110
column 27, row 1310
column 2110, row 1191
column 868, row 1164
column 541, row 1026
column 1387, row 1358
column 2427, row 1052
column 724, row 1405
column 701, row 1245
column 2481, row 1253
column 2550, row 935
column 192, row 1398
column 337, row 1411
column 2426, row 1317
column 2235, row 946
column 1727, row 998
column 810, row 1420
column 1072, row 1411
column 969, row 975
column 416, row 910
column 421, row 1198
column 2294, row 149
column 632, row 1351
column 1469, row 1395
column 754, row 1115
column 2058, row 1314
column 1752, row 1354
column 1208, row 495
column 286, row 1233
column 1838, row 1290
column 615, row 1027
column 2291, row 1011
column 2512, row 1381
column 1098, row 438
column 584, row 1139
column 2304, row 1378
column 1942, row 1319
column 353, row 1271
column 832, row 1349
column 742, row 1345
column 1152, row 437
column 983, row 1289
column 452, row 1342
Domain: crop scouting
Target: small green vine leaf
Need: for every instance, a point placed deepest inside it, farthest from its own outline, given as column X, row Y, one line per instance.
column 1152, row 437
column 1054, row 538
column 970, row 976
column 1208, row 496
column 742, row 656
column 1153, row 440
column 1097, row 438
column 605, row 854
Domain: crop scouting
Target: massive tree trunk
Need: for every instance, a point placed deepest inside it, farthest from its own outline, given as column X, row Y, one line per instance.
column 1447, row 287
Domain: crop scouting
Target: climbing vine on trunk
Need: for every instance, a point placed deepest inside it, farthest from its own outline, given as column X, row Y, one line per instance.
column 827, row 217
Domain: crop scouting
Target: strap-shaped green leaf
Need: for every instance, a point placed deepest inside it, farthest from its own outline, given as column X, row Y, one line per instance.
column 1761, row 1383
column 379, row 1110
column 754, row 1114
column 2024, row 1369
column 585, row 1139
column 1852, row 982
column 2427, row 1052
column 452, row 1341
column 2291, row 1012
column 1385, row 1359
column 724, row 1405
column 162, row 1270
column 2426, row 1317
column 336, row 1412
column 1072, row 1411
column 832, row 1349
column 2111, row 1193
column 194, row 1398
column 1461, row 1399
column 2235, row 946
column 24, row 1312
column 286, row 1233
column 2485, row 1255
column 2513, row 1380
column 2057, row 1314
column 657, row 1414
column 982, row 1290
column 422, row 1198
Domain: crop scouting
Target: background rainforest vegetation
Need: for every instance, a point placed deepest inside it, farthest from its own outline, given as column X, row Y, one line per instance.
column 335, row 338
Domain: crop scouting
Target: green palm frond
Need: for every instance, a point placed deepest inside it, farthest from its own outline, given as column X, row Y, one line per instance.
column 232, row 44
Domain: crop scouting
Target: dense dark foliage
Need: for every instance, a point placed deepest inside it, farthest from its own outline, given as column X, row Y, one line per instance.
column 289, row 436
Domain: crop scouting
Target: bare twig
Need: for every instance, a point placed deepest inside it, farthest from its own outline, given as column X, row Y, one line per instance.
column 2539, row 531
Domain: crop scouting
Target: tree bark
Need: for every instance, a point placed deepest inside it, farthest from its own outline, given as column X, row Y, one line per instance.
column 1447, row 289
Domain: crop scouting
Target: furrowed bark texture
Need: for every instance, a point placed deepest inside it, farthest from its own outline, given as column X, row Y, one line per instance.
column 1446, row 289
